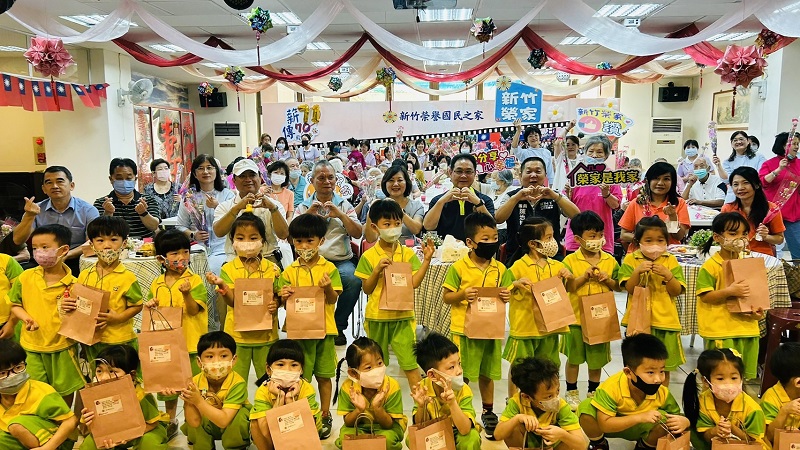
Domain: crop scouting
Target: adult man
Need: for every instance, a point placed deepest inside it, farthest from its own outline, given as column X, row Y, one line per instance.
column 139, row 210
column 447, row 211
column 533, row 137
column 61, row 208
column 342, row 225
column 297, row 182
column 704, row 188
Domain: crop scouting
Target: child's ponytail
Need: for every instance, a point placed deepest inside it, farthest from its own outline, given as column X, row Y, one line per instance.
column 336, row 386
column 691, row 400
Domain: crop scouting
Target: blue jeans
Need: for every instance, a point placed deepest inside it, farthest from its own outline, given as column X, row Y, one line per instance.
column 792, row 236
column 351, row 289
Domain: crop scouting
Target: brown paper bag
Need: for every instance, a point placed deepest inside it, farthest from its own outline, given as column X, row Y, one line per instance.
column 161, row 318
column 370, row 441
column 432, row 434
column 599, row 319
column 640, row 314
column 552, row 309
column 305, row 313
column 734, row 444
column 164, row 358
column 672, row 442
column 251, row 298
column 754, row 272
column 292, row 427
column 80, row 324
column 786, row 439
column 117, row 414
column 398, row 288
column 486, row 315
column 525, row 444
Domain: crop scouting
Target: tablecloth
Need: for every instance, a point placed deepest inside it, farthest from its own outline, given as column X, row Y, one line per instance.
column 432, row 313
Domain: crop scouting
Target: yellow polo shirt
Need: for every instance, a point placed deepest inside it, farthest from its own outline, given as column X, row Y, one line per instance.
column 43, row 303
column 745, row 412
column 564, row 418
column 393, row 404
column 301, row 275
column 35, row 399
column 193, row 326
column 771, row 403
column 613, row 398
column 522, row 304
column 235, row 269
column 715, row 321
column 664, row 311
column 9, row 271
column 231, row 395
column 369, row 260
column 577, row 264
column 125, row 291
column 264, row 401
column 438, row 409
column 465, row 274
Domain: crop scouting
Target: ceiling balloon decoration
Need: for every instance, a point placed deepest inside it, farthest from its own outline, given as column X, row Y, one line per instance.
column 235, row 75
column 739, row 66
column 260, row 22
column 483, row 31
column 335, row 84
column 537, row 58
column 206, row 90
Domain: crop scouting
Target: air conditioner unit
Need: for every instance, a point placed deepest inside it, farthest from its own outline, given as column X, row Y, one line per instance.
column 229, row 141
column 666, row 138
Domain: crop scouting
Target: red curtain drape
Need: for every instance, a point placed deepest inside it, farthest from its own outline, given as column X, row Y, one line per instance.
column 707, row 54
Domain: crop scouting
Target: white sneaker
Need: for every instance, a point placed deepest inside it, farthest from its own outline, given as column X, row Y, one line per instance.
column 573, row 399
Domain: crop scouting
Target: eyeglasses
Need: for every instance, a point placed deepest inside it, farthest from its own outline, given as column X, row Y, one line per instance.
column 207, row 169
column 460, row 172
column 19, row 368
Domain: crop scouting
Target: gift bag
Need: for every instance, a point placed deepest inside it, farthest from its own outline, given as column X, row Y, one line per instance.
column 599, row 319
column 251, row 303
column 164, row 358
column 552, row 309
column 754, row 272
column 673, row 442
column 432, row 434
column 117, row 414
column 161, row 318
column 292, row 427
column 398, row 288
column 734, row 444
column 486, row 315
column 525, row 444
column 81, row 324
column 640, row 314
column 305, row 313
column 370, row 441
column 786, row 439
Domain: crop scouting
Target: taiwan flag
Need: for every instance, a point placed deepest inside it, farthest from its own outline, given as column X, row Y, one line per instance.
column 23, row 88
column 93, row 95
column 80, row 91
column 101, row 89
column 50, row 96
column 8, row 95
column 38, row 96
column 64, row 92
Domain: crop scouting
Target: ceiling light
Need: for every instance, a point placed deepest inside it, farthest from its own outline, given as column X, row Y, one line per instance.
column 278, row 18
column 542, row 72
column 255, row 77
column 327, row 63
column 166, row 48
column 214, row 65
column 444, row 43
column 628, row 10
column 318, row 46
column 673, row 57
column 93, row 19
column 634, row 71
column 577, row 40
column 441, row 63
column 732, row 36
column 11, row 48
column 445, row 15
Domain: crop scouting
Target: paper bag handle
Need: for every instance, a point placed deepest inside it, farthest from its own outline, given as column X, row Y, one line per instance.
column 163, row 319
column 368, row 419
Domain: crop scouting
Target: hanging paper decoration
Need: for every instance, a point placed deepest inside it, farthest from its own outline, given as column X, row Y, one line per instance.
column 205, row 89
column 467, row 82
column 739, row 66
column 766, row 40
column 537, row 58
column 260, row 22
column 235, row 75
column 562, row 76
column 504, row 83
column 390, row 117
column 483, row 30
column 605, row 65
column 335, row 84
column 50, row 58
column 386, row 77
column 701, row 66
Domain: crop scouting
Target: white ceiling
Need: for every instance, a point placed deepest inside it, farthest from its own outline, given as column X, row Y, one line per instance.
column 202, row 18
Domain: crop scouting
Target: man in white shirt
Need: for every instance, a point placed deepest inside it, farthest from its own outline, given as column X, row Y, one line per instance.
column 532, row 137
column 704, row 188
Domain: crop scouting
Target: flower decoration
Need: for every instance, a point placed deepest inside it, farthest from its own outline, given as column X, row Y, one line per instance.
column 555, row 112
column 260, row 22
column 766, row 40
column 235, row 75
column 605, row 65
column 483, row 29
column 48, row 56
column 386, row 76
column 335, row 84
column 739, row 66
column 504, row 83
column 390, row 117
column 562, row 76
column 205, row 89
column 611, row 103
column 537, row 58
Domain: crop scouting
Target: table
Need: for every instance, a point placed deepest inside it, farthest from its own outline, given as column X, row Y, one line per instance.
column 701, row 216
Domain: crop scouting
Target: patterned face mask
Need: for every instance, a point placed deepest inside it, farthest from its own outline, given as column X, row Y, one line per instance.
column 217, row 370
column 108, row 256
column 547, row 248
column 247, row 249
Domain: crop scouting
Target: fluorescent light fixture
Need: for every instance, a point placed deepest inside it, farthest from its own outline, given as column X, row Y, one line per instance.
column 279, row 18
column 318, row 46
column 577, row 40
column 255, row 77
column 167, row 48
column 92, row 19
column 444, row 43
column 11, row 48
column 542, row 72
column 214, row 65
column 445, row 15
column 732, row 36
column 327, row 63
column 634, row 71
column 628, row 10
column 673, row 57
column 441, row 63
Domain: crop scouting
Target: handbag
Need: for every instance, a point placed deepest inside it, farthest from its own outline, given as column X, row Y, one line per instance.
column 117, row 414
column 369, row 441
column 432, row 434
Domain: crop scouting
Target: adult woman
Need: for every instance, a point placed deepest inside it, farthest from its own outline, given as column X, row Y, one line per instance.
column 354, row 155
column 282, row 150
column 413, row 168
column 691, row 149
column 501, row 182
column 263, row 141
column 306, row 152
column 369, row 155
column 565, row 161
column 773, row 174
column 602, row 199
column 741, row 155
column 751, row 202
column 420, row 152
column 396, row 185
column 657, row 197
column 279, row 179
column 162, row 190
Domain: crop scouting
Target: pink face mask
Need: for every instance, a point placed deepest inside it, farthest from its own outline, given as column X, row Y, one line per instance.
column 653, row 251
column 727, row 392
column 46, row 257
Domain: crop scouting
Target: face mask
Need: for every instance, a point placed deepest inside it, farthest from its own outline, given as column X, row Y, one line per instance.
column 700, row 173
column 247, row 249
column 456, row 381
column 486, row 250
column 162, row 175
column 379, row 194
column 12, row 384
column 443, row 167
column 372, row 379
column 178, row 265
column 281, row 146
column 552, row 405
column 727, row 392
column 734, row 245
column 304, row 142
column 124, row 187
column 285, row 378
column 653, row 251
column 691, row 152
column 594, row 245
column 465, row 150
column 295, row 174
column 277, row 179
column 307, row 254
column 217, row 370
column 590, row 160
column 391, row 234
column 46, row 257
column 547, row 248
column 108, row 256
column 647, row 388
column 790, row 156
column 493, row 185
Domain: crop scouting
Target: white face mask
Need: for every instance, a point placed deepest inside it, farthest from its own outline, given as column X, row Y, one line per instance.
column 391, row 234
column 372, row 379
column 162, row 175
column 277, row 178
column 456, row 381
column 285, row 378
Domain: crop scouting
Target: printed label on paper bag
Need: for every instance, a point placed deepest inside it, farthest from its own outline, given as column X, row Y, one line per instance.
column 399, row 280
column 290, row 422
column 305, row 305
column 486, row 304
column 108, row 405
column 600, row 312
column 794, row 446
column 84, row 306
column 252, row 298
column 160, row 354
column 551, row 296
column 435, row 441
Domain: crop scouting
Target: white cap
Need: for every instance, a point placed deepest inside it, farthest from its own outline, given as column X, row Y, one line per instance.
column 243, row 166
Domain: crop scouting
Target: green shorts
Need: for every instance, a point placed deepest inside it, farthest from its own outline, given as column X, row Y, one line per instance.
column 58, row 369
column 746, row 346
column 155, row 439
column 255, row 354
column 195, row 371
column 542, row 347
column 634, row 433
column 479, row 357
column 42, row 428
column 320, row 357
column 672, row 340
column 595, row 356
column 400, row 335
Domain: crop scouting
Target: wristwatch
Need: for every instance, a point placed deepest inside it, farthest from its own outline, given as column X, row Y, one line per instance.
column 191, row 235
column 144, row 214
column 482, row 203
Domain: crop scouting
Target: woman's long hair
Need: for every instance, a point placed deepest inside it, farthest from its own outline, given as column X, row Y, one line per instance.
column 759, row 208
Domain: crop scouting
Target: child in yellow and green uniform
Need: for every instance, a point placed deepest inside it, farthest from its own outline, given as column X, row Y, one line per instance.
column 32, row 414
column 116, row 361
column 282, row 384
column 9, row 271
column 248, row 235
column 370, row 392
column 108, row 235
column 781, row 403
column 537, row 411
column 395, row 328
column 719, row 327
column 594, row 272
column 652, row 266
column 312, row 269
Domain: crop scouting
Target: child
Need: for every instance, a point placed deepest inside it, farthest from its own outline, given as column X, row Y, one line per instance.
column 524, row 339
column 652, row 266
column 179, row 287
column 281, row 385
column 444, row 391
column 718, row 327
column 247, row 236
column 52, row 358
column 391, row 327
column 595, row 272
column 538, row 411
column 216, row 406
column 312, row 269
column 478, row 269
column 634, row 403
column 116, row 361
column 722, row 410
column 9, row 271
column 108, row 235
column 32, row 413
column 781, row 403
column 369, row 391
